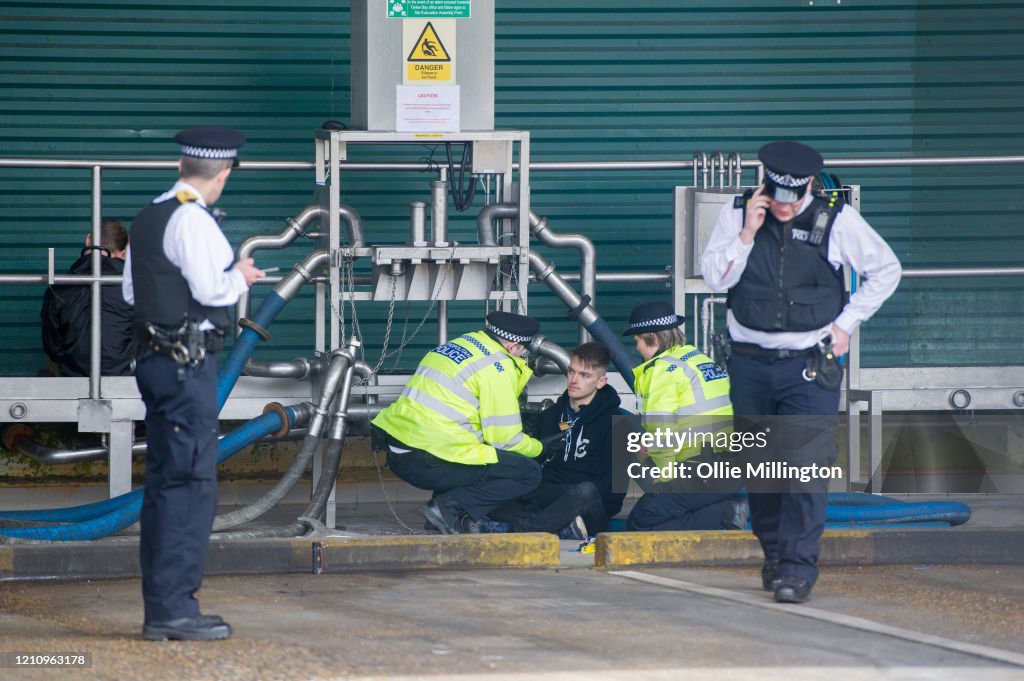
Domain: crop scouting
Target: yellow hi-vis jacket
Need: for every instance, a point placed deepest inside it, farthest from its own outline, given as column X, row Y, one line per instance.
column 683, row 391
column 463, row 403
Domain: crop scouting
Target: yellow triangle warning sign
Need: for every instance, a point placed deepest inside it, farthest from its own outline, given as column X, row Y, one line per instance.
column 429, row 47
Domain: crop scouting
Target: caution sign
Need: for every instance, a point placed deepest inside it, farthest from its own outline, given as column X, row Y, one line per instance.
column 430, row 46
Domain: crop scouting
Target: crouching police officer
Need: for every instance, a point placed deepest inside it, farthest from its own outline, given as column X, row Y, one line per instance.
column 456, row 428
column 780, row 253
column 682, row 391
column 180, row 276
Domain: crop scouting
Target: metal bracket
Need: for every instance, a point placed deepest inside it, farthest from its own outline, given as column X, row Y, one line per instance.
column 94, row 416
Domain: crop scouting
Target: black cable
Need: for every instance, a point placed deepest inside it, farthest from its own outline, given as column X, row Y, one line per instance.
column 462, row 197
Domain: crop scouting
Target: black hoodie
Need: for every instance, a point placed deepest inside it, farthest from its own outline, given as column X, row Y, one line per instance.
column 588, row 458
column 65, row 323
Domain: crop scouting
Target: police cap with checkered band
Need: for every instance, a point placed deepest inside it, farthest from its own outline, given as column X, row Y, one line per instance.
column 788, row 167
column 512, row 327
column 211, row 141
column 653, row 316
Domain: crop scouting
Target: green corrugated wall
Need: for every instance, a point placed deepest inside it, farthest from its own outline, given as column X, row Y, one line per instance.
column 595, row 80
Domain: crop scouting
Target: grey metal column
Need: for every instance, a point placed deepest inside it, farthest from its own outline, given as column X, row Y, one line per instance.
column 122, row 433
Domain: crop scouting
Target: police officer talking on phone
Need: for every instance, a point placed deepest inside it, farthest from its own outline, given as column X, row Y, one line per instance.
column 780, row 251
column 182, row 279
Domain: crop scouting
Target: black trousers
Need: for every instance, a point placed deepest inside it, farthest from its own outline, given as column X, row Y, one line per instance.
column 478, row 490
column 677, row 511
column 803, row 418
column 180, row 497
column 552, row 506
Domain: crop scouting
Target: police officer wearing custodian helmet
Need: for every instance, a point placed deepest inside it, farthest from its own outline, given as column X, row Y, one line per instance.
column 182, row 280
column 779, row 252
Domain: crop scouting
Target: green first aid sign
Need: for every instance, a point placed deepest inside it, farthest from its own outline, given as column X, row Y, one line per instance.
column 428, row 9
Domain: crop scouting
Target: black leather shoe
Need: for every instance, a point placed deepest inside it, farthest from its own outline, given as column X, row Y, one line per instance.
column 211, row 619
column 443, row 514
column 199, row 628
column 792, row 590
column 770, row 579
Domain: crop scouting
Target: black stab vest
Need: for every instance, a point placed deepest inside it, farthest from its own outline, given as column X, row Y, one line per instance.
column 162, row 295
column 788, row 283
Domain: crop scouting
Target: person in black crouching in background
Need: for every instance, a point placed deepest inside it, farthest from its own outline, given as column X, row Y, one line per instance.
column 66, row 314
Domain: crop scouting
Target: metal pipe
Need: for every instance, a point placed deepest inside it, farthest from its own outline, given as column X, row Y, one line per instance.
column 439, row 212
column 922, row 272
column 546, row 273
column 294, row 228
column 298, row 368
column 97, row 269
column 551, row 350
column 739, row 169
column 417, row 223
column 706, row 315
column 720, row 157
column 588, row 258
column 621, row 277
column 340, row 415
column 700, row 161
column 539, row 228
column 301, row 274
column 585, row 166
column 52, row 456
column 485, row 231
column 365, row 372
column 442, row 322
column 588, row 254
column 351, row 218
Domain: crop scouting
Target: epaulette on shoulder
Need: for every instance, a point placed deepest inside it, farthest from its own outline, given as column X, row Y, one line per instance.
column 185, row 196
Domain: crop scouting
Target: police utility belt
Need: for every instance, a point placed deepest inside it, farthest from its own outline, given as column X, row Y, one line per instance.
column 186, row 345
column 822, row 367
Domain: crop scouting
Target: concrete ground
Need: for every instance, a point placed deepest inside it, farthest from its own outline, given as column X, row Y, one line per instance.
column 891, row 622
column 382, row 609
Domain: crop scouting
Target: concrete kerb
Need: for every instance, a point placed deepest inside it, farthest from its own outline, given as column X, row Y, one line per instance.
column 838, row 547
column 119, row 558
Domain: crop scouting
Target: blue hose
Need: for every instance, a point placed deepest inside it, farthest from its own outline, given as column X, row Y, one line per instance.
column 600, row 330
column 857, row 510
column 246, row 342
column 128, row 512
column 952, row 512
column 935, row 525
column 71, row 514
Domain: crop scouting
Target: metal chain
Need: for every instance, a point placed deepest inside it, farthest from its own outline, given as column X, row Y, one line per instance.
column 387, row 498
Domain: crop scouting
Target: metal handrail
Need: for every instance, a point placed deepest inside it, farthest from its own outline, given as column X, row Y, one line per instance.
column 96, row 280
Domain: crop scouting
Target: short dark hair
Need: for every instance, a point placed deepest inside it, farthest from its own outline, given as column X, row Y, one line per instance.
column 204, row 168
column 592, row 355
column 113, row 235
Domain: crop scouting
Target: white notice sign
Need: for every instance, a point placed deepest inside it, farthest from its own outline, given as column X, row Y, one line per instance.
column 427, row 109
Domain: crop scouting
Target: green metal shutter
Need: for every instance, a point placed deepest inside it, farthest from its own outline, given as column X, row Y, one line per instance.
column 651, row 80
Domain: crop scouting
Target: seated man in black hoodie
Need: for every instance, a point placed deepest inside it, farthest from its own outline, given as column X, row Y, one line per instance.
column 577, row 458
column 583, row 414
column 66, row 313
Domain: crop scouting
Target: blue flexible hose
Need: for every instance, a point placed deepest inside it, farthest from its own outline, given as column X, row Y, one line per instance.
column 600, row 330
column 128, row 513
column 952, row 512
column 70, row 514
column 857, row 510
column 246, row 342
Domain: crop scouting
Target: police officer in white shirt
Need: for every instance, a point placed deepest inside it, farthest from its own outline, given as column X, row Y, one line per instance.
column 181, row 277
column 780, row 252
